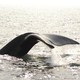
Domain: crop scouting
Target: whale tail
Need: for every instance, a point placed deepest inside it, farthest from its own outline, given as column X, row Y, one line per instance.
column 20, row 45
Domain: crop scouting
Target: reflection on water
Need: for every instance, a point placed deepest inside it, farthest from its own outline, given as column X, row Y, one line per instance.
column 14, row 22
column 35, row 68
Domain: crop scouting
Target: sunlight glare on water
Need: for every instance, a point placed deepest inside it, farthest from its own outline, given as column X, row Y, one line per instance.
column 41, row 3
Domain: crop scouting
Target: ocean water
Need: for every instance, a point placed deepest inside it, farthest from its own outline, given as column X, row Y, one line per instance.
column 14, row 22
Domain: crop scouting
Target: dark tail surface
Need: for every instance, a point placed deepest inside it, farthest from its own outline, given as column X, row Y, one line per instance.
column 60, row 40
column 20, row 45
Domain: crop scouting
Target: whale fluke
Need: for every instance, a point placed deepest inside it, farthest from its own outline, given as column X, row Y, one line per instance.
column 59, row 40
column 20, row 45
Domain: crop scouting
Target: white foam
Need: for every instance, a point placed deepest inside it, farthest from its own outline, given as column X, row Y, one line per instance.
column 64, row 55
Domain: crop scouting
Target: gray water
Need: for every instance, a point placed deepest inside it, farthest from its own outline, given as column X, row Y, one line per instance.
column 14, row 22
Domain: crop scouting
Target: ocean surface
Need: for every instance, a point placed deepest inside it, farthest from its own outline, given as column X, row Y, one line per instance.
column 16, row 21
